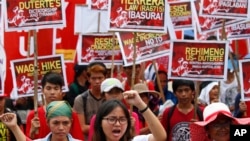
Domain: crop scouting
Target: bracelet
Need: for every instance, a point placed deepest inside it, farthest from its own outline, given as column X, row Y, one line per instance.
column 143, row 110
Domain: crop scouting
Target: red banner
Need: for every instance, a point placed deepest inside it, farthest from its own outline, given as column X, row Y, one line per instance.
column 30, row 14
column 23, row 73
column 139, row 16
column 201, row 60
column 148, row 46
column 99, row 47
column 181, row 14
column 244, row 67
column 221, row 8
column 98, row 4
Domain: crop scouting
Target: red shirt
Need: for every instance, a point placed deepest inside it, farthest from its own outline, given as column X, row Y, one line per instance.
column 44, row 129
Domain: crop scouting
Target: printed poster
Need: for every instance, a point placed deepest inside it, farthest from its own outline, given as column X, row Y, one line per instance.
column 23, row 73
column 34, row 14
column 138, row 16
column 99, row 4
column 209, row 24
column 181, row 14
column 2, row 69
column 198, row 60
column 148, row 46
column 230, row 8
column 238, row 31
column 99, row 47
column 244, row 67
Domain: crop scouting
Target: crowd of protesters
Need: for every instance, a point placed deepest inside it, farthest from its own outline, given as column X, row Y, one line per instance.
column 98, row 107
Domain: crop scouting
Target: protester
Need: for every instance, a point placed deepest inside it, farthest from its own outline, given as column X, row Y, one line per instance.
column 151, row 98
column 87, row 104
column 230, row 88
column 5, row 132
column 36, row 127
column 59, row 120
column 113, row 121
column 111, row 88
column 176, row 119
column 216, row 124
column 79, row 85
column 209, row 93
column 241, row 107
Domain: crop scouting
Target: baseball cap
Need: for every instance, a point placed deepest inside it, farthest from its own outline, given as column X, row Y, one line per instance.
column 111, row 83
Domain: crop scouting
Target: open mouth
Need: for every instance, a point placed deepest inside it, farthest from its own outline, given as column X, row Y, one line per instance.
column 116, row 132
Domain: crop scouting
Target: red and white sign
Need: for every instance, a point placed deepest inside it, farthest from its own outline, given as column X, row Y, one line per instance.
column 148, row 46
column 99, row 47
column 230, row 8
column 198, row 60
column 138, row 16
column 98, row 4
column 181, row 14
column 23, row 73
column 244, row 67
column 34, row 14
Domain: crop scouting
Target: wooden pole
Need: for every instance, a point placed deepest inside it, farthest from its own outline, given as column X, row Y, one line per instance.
column 113, row 55
column 159, row 82
column 35, row 72
column 133, row 69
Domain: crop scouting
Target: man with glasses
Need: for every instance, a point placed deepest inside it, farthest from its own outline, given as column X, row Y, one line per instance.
column 176, row 119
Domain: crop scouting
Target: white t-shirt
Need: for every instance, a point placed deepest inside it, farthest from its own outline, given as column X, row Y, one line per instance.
column 141, row 138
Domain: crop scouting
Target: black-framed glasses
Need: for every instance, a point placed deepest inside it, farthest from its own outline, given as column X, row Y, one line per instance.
column 112, row 120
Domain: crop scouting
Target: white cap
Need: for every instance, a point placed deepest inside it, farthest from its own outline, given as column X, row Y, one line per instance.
column 111, row 83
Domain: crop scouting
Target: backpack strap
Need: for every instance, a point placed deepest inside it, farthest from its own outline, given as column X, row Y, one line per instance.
column 170, row 113
column 84, row 102
column 199, row 113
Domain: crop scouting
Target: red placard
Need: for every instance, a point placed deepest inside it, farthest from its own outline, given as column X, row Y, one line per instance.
column 99, row 47
column 198, row 60
column 23, row 73
column 34, row 14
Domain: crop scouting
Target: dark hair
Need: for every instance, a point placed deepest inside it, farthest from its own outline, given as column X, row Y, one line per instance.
column 53, row 78
column 181, row 82
column 79, row 69
column 155, row 81
column 106, row 108
column 98, row 67
column 212, row 37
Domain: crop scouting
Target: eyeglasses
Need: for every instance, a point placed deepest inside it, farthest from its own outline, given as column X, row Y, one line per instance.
column 113, row 120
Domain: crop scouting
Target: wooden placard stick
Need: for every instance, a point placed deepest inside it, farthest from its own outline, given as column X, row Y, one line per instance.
column 159, row 82
column 113, row 55
column 133, row 68
column 197, row 92
column 35, row 72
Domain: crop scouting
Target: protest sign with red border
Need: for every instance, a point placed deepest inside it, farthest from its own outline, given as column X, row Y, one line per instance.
column 244, row 67
column 230, row 8
column 198, row 60
column 98, row 4
column 148, row 46
column 181, row 14
column 208, row 24
column 2, row 69
column 238, row 31
column 138, row 16
column 99, row 47
column 30, row 14
column 23, row 73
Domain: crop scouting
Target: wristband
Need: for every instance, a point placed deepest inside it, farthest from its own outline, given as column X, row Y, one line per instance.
column 143, row 110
